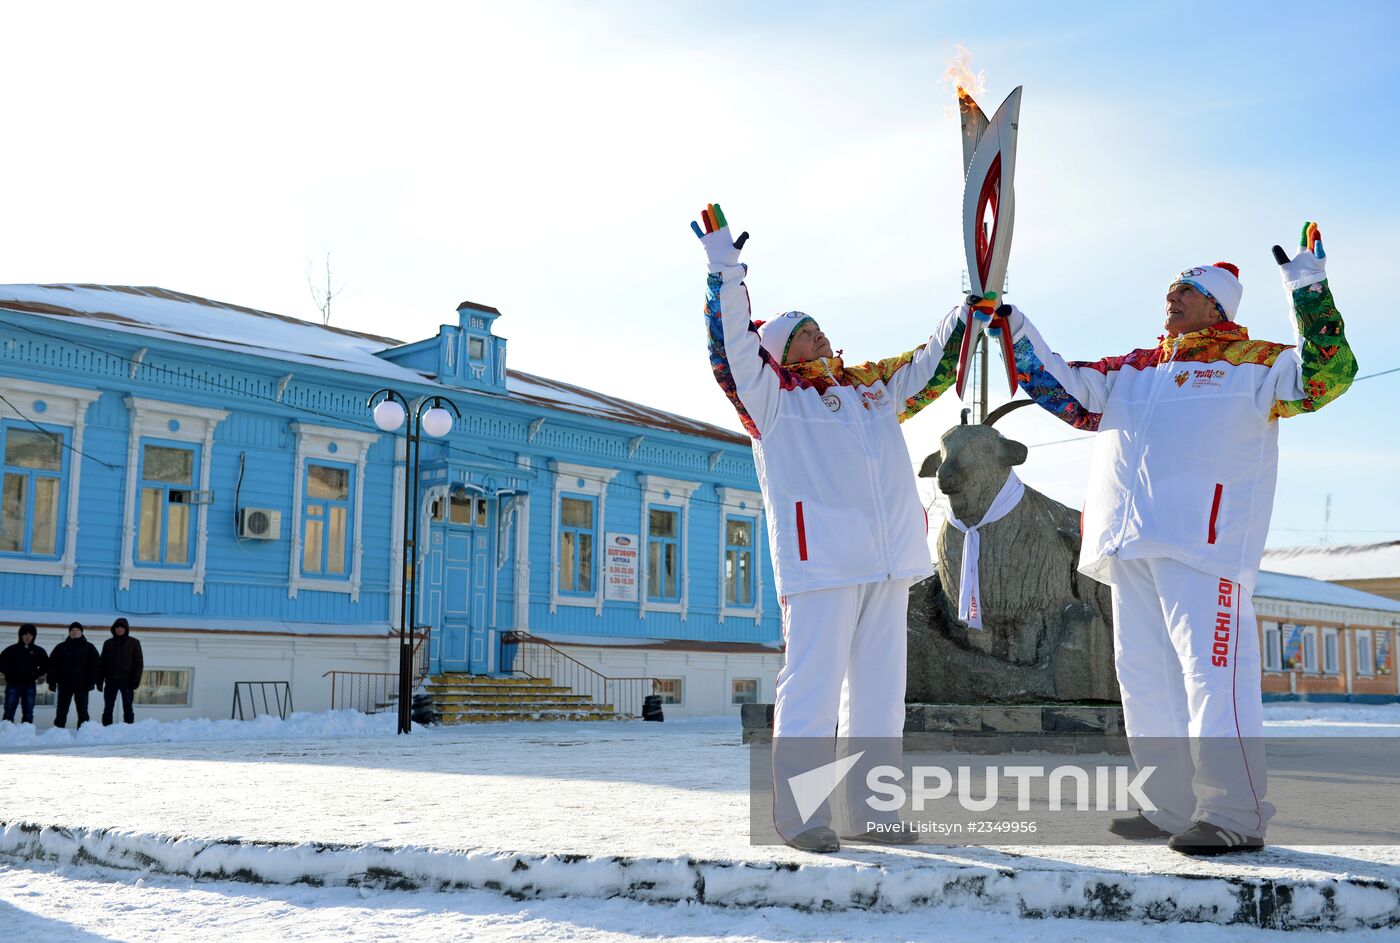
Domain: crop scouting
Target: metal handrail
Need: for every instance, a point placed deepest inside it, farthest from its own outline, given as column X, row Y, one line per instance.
column 368, row 692
column 539, row 659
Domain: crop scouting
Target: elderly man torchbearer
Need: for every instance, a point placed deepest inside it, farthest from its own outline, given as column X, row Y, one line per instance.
column 1180, row 491
column 846, row 529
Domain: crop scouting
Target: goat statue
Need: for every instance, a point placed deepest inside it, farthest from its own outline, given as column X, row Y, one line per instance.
column 1047, row 631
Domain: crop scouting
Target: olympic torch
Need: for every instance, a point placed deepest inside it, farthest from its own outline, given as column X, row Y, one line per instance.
column 989, row 211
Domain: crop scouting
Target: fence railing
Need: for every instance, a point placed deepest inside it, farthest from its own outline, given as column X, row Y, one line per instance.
column 261, row 697
column 524, row 654
column 370, row 692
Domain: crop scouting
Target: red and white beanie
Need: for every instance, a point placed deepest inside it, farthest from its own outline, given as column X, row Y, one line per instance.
column 1219, row 282
column 776, row 333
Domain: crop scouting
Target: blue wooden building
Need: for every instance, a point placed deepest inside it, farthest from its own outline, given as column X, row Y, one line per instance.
column 212, row 473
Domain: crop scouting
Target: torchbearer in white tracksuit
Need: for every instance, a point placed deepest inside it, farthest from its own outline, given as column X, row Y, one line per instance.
column 846, row 528
column 1181, row 487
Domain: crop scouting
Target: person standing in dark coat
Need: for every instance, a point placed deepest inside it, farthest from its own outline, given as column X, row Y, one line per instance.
column 121, row 672
column 74, row 667
column 23, row 664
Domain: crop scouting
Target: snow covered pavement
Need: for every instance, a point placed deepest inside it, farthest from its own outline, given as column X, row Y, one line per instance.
column 652, row 812
column 82, row 904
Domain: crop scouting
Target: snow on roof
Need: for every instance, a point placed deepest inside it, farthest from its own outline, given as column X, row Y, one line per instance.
column 576, row 399
column 1302, row 589
column 173, row 315
column 1338, row 562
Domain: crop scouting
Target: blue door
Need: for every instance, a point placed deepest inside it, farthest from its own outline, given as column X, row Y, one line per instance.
column 457, row 587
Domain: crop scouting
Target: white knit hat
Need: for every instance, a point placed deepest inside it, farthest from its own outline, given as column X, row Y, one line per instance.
column 776, row 333
column 1219, row 282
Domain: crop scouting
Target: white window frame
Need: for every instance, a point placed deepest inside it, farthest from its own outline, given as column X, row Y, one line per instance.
column 680, row 689
column 314, row 445
column 673, row 493
column 1365, row 667
column 1332, row 636
column 1273, row 660
column 64, row 406
column 595, row 484
column 1310, row 647
column 189, row 689
column 757, row 691
column 735, row 502
column 151, row 418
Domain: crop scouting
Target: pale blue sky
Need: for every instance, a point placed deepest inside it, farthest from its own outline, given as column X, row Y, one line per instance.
column 546, row 158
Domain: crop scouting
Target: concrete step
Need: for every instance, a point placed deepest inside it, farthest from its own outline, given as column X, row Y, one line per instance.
column 463, row 678
column 490, row 704
column 486, row 717
column 502, row 690
column 512, row 699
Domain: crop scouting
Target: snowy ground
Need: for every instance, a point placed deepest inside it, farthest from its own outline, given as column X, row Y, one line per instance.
column 480, row 805
column 86, row 904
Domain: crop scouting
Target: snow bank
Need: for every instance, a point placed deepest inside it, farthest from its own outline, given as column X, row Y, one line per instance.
column 1329, row 903
column 328, row 724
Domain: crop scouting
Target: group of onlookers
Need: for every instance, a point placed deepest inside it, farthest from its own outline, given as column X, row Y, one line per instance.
column 73, row 669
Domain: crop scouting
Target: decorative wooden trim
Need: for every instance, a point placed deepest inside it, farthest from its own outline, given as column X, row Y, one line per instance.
column 195, row 424
column 654, row 489
column 314, row 442
column 595, row 484
column 67, row 406
column 740, row 503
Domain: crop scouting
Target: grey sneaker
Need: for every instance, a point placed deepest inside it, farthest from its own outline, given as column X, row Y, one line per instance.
column 896, row 833
column 820, row 840
column 1204, row 838
column 1137, row 827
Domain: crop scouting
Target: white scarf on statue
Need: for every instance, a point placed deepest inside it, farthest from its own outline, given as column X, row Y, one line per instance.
column 970, row 589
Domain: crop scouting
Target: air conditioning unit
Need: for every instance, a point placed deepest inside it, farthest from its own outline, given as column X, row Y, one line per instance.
column 259, row 524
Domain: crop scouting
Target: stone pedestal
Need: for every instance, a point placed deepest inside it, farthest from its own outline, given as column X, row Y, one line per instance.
column 991, row 728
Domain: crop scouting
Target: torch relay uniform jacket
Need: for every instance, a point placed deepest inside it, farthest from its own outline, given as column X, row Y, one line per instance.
column 1186, row 456
column 837, row 481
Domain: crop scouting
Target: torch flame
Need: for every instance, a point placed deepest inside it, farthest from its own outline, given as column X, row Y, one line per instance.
column 959, row 72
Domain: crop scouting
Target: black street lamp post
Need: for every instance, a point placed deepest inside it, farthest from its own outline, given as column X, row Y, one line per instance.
column 431, row 416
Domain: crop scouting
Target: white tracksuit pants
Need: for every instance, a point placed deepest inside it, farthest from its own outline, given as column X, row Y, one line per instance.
column 844, row 677
column 1186, row 649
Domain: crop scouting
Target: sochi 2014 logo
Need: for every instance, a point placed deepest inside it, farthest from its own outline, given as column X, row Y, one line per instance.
column 1181, row 377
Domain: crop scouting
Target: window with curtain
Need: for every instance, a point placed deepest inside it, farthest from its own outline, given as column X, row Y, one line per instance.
column 165, row 517
column 1364, row 665
column 325, row 511
column 738, row 561
column 577, row 538
column 663, row 554
column 31, row 489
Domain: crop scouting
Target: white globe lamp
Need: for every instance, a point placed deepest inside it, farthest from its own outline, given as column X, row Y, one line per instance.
column 437, row 422
column 389, row 415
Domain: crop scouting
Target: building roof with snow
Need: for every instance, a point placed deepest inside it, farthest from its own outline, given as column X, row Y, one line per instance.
column 1287, row 586
column 177, row 316
column 1377, row 561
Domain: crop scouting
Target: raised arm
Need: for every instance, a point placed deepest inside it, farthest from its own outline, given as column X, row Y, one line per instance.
column 917, row 377
column 1075, row 391
column 743, row 369
column 1322, row 366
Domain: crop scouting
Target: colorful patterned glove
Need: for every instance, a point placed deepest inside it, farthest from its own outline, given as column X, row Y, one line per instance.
column 1309, row 266
column 1009, row 315
column 715, row 237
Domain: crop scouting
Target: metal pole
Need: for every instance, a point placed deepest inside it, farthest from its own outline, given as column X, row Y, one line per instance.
column 983, row 362
column 410, row 574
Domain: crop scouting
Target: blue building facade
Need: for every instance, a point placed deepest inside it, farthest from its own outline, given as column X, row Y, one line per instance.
column 212, row 472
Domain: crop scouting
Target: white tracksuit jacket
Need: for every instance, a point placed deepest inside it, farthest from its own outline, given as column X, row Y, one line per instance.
column 837, row 481
column 1186, row 458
